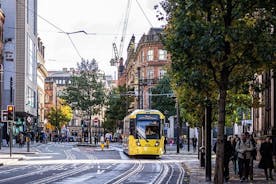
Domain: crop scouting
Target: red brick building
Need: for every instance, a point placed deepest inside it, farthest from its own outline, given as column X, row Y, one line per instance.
column 146, row 63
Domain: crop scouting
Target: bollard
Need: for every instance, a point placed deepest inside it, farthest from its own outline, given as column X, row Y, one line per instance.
column 28, row 143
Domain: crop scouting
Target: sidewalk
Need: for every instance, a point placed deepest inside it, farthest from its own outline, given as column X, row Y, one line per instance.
column 196, row 173
column 17, row 153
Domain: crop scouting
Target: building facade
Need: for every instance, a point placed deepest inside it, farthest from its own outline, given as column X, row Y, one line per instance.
column 145, row 65
column 20, row 61
column 264, row 122
column 41, row 76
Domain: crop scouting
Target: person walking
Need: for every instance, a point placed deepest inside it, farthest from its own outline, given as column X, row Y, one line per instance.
column 21, row 139
column 165, row 143
column 252, row 156
column 234, row 141
column 243, row 149
column 266, row 161
column 228, row 153
column 194, row 140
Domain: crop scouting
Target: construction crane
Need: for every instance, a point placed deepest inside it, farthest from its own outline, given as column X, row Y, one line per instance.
column 118, row 55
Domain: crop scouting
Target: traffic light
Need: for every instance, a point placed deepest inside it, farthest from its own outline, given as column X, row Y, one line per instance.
column 10, row 113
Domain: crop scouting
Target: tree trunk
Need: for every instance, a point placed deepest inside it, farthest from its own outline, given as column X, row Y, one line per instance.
column 90, row 127
column 220, row 144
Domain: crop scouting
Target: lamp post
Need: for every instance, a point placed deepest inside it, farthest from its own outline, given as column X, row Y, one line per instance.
column 188, row 135
column 139, row 88
column 208, row 121
column 177, row 125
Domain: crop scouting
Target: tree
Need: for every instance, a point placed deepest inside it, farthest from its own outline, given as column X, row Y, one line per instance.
column 117, row 107
column 229, row 41
column 86, row 91
column 60, row 116
column 162, row 97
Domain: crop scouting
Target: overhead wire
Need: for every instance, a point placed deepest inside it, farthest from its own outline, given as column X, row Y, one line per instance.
column 55, row 26
column 144, row 13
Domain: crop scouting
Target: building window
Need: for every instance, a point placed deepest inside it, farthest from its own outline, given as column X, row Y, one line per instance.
column 162, row 73
column 150, row 74
column 31, row 59
column 142, row 56
column 31, row 97
column 162, row 54
column 150, row 55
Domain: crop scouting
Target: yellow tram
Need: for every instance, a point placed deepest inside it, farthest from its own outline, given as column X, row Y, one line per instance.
column 143, row 133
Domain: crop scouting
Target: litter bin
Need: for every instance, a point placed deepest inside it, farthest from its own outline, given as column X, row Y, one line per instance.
column 202, row 156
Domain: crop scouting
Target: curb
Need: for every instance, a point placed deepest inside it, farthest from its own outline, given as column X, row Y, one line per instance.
column 87, row 145
column 187, row 175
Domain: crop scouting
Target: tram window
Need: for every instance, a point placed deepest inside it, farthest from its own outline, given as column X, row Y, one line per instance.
column 132, row 127
column 152, row 132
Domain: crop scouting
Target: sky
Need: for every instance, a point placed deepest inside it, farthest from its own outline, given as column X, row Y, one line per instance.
column 101, row 19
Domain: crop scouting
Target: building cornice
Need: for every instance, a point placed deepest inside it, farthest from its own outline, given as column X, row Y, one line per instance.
column 2, row 16
column 43, row 70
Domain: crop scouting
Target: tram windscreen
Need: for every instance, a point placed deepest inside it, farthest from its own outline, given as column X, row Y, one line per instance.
column 148, row 129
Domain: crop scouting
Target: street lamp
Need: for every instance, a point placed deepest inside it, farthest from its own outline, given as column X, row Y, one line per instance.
column 188, row 135
column 177, row 124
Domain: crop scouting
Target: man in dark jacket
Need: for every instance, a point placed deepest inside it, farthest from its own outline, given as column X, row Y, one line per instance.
column 228, row 153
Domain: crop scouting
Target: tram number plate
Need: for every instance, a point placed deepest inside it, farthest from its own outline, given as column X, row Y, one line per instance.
column 147, row 145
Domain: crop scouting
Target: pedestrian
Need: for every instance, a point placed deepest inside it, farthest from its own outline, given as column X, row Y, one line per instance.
column 244, row 148
column 21, row 139
column 194, row 140
column 266, row 161
column 165, row 142
column 171, row 142
column 8, row 139
column 234, row 141
column 228, row 153
column 253, row 155
column 181, row 142
column 95, row 140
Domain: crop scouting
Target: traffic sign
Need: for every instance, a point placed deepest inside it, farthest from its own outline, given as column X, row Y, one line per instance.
column 29, row 119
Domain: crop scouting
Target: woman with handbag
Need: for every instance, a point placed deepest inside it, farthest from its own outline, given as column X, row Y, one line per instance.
column 266, row 161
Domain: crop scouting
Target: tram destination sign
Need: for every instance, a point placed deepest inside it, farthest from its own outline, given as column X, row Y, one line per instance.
column 148, row 117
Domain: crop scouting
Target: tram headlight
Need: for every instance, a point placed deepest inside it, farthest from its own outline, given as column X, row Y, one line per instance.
column 157, row 143
column 138, row 143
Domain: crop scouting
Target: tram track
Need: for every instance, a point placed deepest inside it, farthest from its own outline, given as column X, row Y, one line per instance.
column 163, row 173
column 55, row 167
column 69, row 172
column 181, row 176
column 171, row 169
column 135, row 169
column 49, row 179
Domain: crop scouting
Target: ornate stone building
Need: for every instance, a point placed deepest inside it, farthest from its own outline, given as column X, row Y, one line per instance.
column 146, row 63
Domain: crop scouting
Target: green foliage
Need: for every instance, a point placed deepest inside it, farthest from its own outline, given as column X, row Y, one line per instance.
column 163, row 103
column 86, row 91
column 238, row 107
column 117, row 107
column 226, row 42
